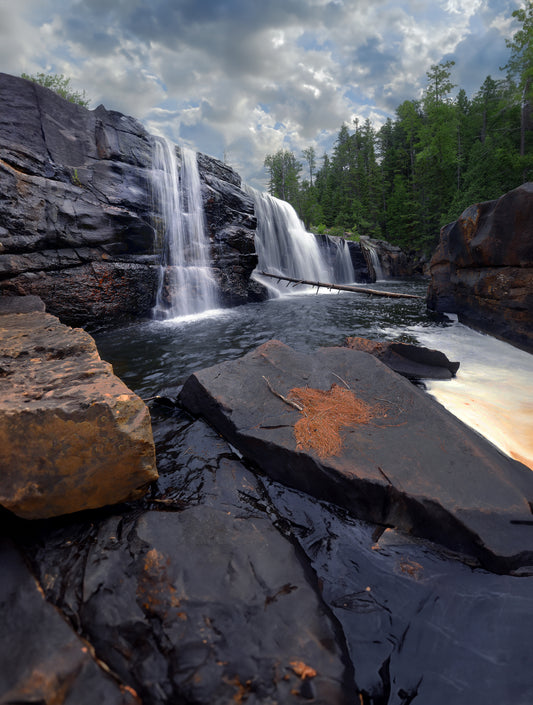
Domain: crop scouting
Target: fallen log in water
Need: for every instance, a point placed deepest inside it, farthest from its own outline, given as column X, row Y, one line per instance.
column 342, row 287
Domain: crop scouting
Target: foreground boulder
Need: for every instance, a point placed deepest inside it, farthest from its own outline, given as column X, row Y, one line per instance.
column 341, row 426
column 482, row 269
column 412, row 361
column 72, row 435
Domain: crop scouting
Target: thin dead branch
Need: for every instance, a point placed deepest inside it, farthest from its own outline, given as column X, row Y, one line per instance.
column 294, row 404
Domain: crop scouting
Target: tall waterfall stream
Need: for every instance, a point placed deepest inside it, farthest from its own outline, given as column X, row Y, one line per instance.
column 186, row 284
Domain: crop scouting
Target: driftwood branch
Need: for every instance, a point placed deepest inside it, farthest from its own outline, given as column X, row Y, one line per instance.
column 280, row 396
column 343, row 287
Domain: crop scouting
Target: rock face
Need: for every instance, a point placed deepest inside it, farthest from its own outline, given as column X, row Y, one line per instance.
column 76, row 221
column 231, row 224
column 386, row 261
column 72, row 435
column 482, row 269
column 389, row 453
column 411, row 361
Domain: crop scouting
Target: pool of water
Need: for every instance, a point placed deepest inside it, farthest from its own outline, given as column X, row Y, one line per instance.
column 492, row 390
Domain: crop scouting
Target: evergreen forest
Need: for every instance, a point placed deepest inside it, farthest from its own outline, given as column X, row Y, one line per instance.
column 422, row 168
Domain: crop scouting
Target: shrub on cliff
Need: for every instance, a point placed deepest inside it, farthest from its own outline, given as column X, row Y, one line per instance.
column 60, row 85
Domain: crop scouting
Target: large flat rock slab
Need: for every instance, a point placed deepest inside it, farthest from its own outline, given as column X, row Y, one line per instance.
column 72, row 435
column 410, row 464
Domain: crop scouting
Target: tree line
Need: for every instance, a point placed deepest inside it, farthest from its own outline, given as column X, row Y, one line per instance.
column 422, row 168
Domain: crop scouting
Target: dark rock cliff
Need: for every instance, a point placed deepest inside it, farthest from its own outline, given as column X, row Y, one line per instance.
column 76, row 222
column 482, row 269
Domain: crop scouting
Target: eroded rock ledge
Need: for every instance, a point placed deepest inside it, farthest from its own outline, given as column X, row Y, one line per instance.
column 72, row 435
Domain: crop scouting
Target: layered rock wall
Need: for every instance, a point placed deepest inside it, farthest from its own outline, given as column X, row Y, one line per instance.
column 482, row 269
column 76, row 221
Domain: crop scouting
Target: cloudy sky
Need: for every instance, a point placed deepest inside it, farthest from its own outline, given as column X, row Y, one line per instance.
column 244, row 78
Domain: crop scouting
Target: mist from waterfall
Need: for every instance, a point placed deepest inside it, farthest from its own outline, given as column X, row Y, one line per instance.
column 186, row 283
column 284, row 246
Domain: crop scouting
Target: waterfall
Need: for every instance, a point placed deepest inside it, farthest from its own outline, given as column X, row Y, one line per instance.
column 370, row 248
column 186, row 283
column 284, row 246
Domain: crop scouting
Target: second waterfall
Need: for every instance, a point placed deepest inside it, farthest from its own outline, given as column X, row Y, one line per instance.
column 285, row 247
column 186, row 283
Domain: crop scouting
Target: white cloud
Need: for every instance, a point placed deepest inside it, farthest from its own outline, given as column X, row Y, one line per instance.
column 245, row 77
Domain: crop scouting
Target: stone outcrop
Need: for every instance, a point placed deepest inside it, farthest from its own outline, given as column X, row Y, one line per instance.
column 371, row 442
column 412, row 361
column 482, row 269
column 72, row 435
column 76, row 221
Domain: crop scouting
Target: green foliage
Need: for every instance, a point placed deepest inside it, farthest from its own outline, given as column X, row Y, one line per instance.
column 60, row 85
column 76, row 179
column 284, row 170
column 421, row 169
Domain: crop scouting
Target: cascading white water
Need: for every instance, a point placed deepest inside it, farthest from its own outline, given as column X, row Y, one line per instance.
column 284, row 246
column 374, row 258
column 491, row 392
column 341, row 262
column 186, row 283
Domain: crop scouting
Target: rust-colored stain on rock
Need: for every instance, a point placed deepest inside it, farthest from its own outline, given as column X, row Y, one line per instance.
column 72, row 435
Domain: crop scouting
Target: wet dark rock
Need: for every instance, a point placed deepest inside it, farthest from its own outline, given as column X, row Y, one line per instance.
column 231, row 224
column 20, row 304
column 43, row 660
column 78, row 228
column 194, row 595
column 413, row 466
column 203, row 591
column 417, row 622
column 482, row 269
column 412, row 361
column 359, row 263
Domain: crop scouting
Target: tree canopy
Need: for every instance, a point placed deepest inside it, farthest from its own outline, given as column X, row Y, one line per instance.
column 423, row 167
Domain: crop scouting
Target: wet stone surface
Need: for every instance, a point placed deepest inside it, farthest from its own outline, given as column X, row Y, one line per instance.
column 224, row 586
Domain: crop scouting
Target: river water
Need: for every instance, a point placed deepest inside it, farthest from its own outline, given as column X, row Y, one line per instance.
column 492, row 391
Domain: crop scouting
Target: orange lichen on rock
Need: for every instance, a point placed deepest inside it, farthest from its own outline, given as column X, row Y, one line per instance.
column 324, row 414
column 302, row 670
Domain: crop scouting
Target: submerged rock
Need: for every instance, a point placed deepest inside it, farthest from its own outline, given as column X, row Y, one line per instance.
column 406, row 462
column 482, row 269
column 72, row 435
column 412, row 361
